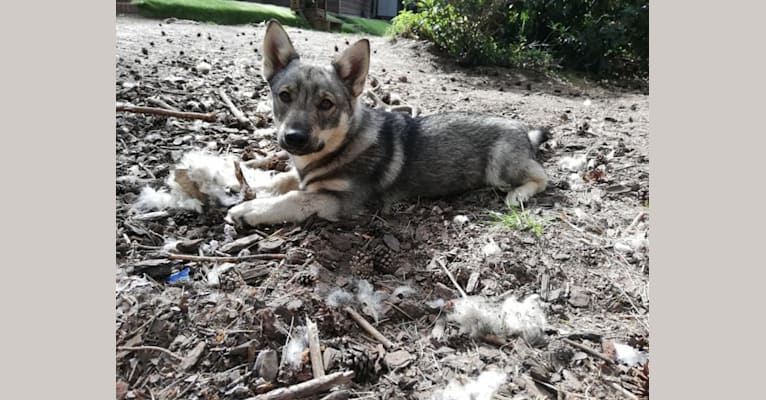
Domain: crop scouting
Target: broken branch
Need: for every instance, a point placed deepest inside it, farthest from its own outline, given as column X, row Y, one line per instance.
column 188, row 257
column 161, row 103
column 247, row 191
column 317, row 364
column 588, row 350
column 369, row 328
column 238, row 114
column 210, row 117
column 308, row 388
column 150, row 348
column 452, row 278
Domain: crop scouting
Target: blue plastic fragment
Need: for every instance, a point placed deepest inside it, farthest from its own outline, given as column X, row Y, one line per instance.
column 182, row 275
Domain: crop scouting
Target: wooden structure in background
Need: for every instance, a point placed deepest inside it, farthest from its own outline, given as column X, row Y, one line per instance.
column 315, row 12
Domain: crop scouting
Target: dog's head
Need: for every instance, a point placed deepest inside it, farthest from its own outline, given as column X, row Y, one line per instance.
column 313, row 105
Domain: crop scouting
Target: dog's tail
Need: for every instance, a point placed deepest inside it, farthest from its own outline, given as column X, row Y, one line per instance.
column 538, row 136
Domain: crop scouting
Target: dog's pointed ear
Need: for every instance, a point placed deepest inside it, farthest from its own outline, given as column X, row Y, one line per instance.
column 278, row 50
column 353, row 64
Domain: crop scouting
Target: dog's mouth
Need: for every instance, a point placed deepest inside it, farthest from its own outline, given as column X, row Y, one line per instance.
column 301, row 150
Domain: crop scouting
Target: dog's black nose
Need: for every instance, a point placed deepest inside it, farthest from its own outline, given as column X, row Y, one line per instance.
column 296, row 138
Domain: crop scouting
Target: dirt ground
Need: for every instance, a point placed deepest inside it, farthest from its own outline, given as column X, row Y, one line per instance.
column 589, row 264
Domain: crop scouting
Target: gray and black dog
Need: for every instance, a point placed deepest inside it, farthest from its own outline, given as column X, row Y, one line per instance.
column 345, row 155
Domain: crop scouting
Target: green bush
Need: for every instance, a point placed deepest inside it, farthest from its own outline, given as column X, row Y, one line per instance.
column 599, row 37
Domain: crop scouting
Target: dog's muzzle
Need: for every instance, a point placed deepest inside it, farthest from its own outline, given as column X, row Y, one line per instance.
column 297, row 142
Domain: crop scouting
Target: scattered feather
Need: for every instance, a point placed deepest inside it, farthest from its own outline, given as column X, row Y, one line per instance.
column 491, row 249
column 460, row 220
column 436, row 303
column 628, row 355
column 200, row 178
column 292, row 355
column 370, row 300
column 170, row 246
column 481, row 388
column 477, row 316
column 573, row 163
column 339, row 297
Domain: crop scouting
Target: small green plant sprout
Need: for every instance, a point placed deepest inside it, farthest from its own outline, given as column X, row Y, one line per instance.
column 518, row 219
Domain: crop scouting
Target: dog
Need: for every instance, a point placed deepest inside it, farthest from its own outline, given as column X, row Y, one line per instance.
column 345, row 155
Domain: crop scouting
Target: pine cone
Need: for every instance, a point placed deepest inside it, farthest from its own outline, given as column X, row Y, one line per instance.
column 362, row 364
column 362, row 264
column 297, row 255
column 305, row 278
column 383, row 261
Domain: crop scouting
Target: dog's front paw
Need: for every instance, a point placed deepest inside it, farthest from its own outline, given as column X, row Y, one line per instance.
column 516, row 198
column 249, row 214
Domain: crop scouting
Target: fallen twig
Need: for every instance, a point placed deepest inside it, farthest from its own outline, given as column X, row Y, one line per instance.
column 238, row 114
column 161, row 103
column 247, row 191
column 308, row 388
column 369, row 328
column 188, row 257
column 452, row 278
column 635, row 221
column 150, row 348
column 209, row 117
column 317, row 364
column 588, row 350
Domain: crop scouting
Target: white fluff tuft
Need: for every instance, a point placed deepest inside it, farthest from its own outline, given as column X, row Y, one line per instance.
column 339, row 297
column 628, row 355
column 151, row 199
column 213, row 175
column 481, row 388
column 491, row 249
column 573, row 163
column 370, row 300
column 292, row 355
column 477, row 316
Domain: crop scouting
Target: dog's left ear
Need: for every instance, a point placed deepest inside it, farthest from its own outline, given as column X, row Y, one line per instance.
column 353, row 64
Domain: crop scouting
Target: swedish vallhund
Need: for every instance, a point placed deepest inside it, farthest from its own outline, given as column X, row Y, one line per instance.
column 345, row 155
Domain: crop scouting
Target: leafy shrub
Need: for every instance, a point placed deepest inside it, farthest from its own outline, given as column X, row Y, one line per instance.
column 608, row 37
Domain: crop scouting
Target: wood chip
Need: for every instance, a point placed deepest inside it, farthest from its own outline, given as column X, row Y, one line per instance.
column 241, row 243
column 193, row 356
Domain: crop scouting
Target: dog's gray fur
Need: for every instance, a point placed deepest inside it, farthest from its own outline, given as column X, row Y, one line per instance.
column 346, row 155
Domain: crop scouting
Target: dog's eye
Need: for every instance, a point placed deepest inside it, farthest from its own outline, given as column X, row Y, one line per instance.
column 325, row 105
column 285, row 97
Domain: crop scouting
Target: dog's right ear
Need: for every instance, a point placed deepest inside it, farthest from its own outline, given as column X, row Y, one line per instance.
column 278, row 50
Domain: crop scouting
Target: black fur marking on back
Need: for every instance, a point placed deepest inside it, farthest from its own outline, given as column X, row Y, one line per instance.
column 387, row 138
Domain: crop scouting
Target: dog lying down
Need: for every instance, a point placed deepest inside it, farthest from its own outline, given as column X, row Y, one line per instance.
column 345, row 155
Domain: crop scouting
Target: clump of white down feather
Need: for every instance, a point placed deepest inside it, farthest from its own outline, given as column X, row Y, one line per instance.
column 369, row 299
column 481, row 388
column 478, row 316
column 292, row 355
column 212, row 175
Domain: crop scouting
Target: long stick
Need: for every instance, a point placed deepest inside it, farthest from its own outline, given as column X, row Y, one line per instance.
column 588, row 350
column 369, row 328
column 452, row 278
column 239, row 115
column 150, row 348
column 308, row 388
column 209, row 117
column 188, row 257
